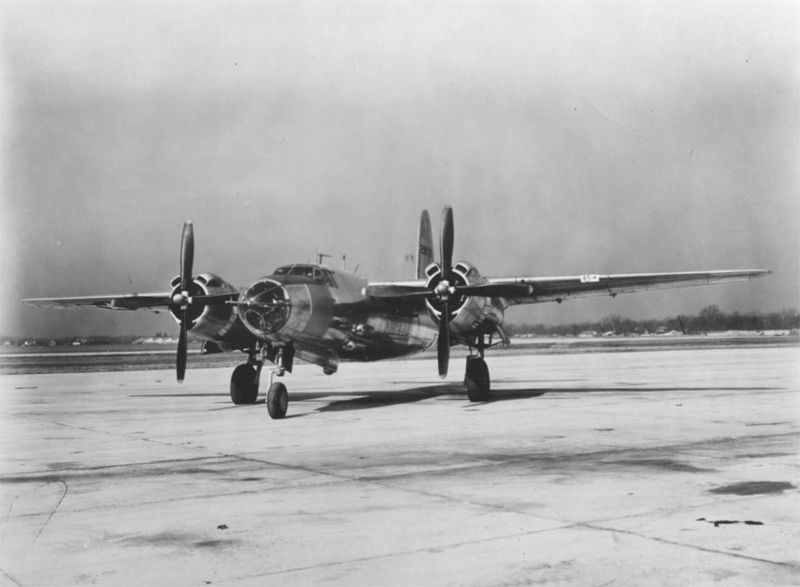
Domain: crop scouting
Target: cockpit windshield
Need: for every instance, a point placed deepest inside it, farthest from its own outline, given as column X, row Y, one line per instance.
column 303, row 271
column 306, row 271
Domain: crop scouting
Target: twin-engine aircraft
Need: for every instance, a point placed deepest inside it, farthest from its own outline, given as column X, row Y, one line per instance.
column 323, row 316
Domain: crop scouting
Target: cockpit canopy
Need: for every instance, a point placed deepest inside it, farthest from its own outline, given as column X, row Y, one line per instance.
column 306, row 272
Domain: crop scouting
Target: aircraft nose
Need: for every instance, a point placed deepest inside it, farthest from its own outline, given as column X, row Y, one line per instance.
column 264, row 306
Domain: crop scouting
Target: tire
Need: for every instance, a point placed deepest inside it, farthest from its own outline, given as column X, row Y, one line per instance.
column 244, row 389
column 277, row 400
column 476, row 380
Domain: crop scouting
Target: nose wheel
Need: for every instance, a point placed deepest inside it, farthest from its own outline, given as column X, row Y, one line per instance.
column 277, row 400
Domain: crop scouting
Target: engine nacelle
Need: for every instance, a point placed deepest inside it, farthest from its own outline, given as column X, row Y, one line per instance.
column 265, row 307
column 218, row 322
column 468, row 314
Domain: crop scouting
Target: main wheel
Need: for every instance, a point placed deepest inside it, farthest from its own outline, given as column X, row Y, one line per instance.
column 476, row 380
column 277, row 400
column 244, row 388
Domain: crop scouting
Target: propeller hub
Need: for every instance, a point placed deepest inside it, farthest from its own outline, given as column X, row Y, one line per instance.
column 443, row 289
column 181, row 298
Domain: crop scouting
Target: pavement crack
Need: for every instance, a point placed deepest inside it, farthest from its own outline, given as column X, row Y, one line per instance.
column 408, row 552
column 784, row 564
column 52, row 512
column 5, row 574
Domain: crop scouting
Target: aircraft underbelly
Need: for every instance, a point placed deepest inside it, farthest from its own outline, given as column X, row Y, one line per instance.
column 374, row 338
column 383, row 336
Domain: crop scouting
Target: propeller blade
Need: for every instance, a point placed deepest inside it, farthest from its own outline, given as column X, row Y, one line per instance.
column 187, row 254
column 446, row 242
column 182, row 351
column 446, row 249
column 443, row 346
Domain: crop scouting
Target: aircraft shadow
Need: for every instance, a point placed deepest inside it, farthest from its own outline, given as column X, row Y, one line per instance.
column 378, row 399
column 363, row 400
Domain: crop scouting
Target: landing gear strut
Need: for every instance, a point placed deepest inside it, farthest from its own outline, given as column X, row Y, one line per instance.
column 246, row 377
column 476, row 378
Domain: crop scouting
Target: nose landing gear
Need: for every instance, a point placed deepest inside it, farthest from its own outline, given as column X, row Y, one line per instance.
column 246, row 378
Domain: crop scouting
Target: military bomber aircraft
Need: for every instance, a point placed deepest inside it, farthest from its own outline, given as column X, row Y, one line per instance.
column 324, row 316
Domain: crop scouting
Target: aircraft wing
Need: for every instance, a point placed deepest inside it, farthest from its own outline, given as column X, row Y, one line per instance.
column 155, row 302
column 547, row 289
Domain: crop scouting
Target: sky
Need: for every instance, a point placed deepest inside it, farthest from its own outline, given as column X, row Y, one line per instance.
column 569, row 137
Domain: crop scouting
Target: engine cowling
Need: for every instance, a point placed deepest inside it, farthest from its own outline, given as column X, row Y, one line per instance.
column 286, row 309
column 468, row 314
column 218, row 322
column 265, row 307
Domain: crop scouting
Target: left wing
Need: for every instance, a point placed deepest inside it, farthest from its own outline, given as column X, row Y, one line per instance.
column 548, row 289
column 155, row 302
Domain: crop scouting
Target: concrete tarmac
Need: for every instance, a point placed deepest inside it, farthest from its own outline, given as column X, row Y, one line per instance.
column 670, row 467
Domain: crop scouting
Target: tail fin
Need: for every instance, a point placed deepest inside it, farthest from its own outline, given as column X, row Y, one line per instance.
column 424, row 244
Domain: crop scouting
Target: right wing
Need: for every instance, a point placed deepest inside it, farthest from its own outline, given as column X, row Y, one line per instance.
column 548, row 289
column 154, row 302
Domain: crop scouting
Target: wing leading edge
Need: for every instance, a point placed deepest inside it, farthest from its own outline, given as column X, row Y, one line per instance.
column 549, row 289
column 155, row 302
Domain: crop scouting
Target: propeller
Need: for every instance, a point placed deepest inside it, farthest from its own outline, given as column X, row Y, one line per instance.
column 443, row 289
column 182, row 298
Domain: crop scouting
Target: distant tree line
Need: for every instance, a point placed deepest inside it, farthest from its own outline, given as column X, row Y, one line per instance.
column 67, row 340
column 104, row 339
column 710, row 319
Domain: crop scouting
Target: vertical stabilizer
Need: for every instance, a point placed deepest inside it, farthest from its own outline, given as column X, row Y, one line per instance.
column 424, row 244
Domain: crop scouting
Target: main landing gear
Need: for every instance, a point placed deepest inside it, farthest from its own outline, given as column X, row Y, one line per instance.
column 476, row 378
column 246, row 378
